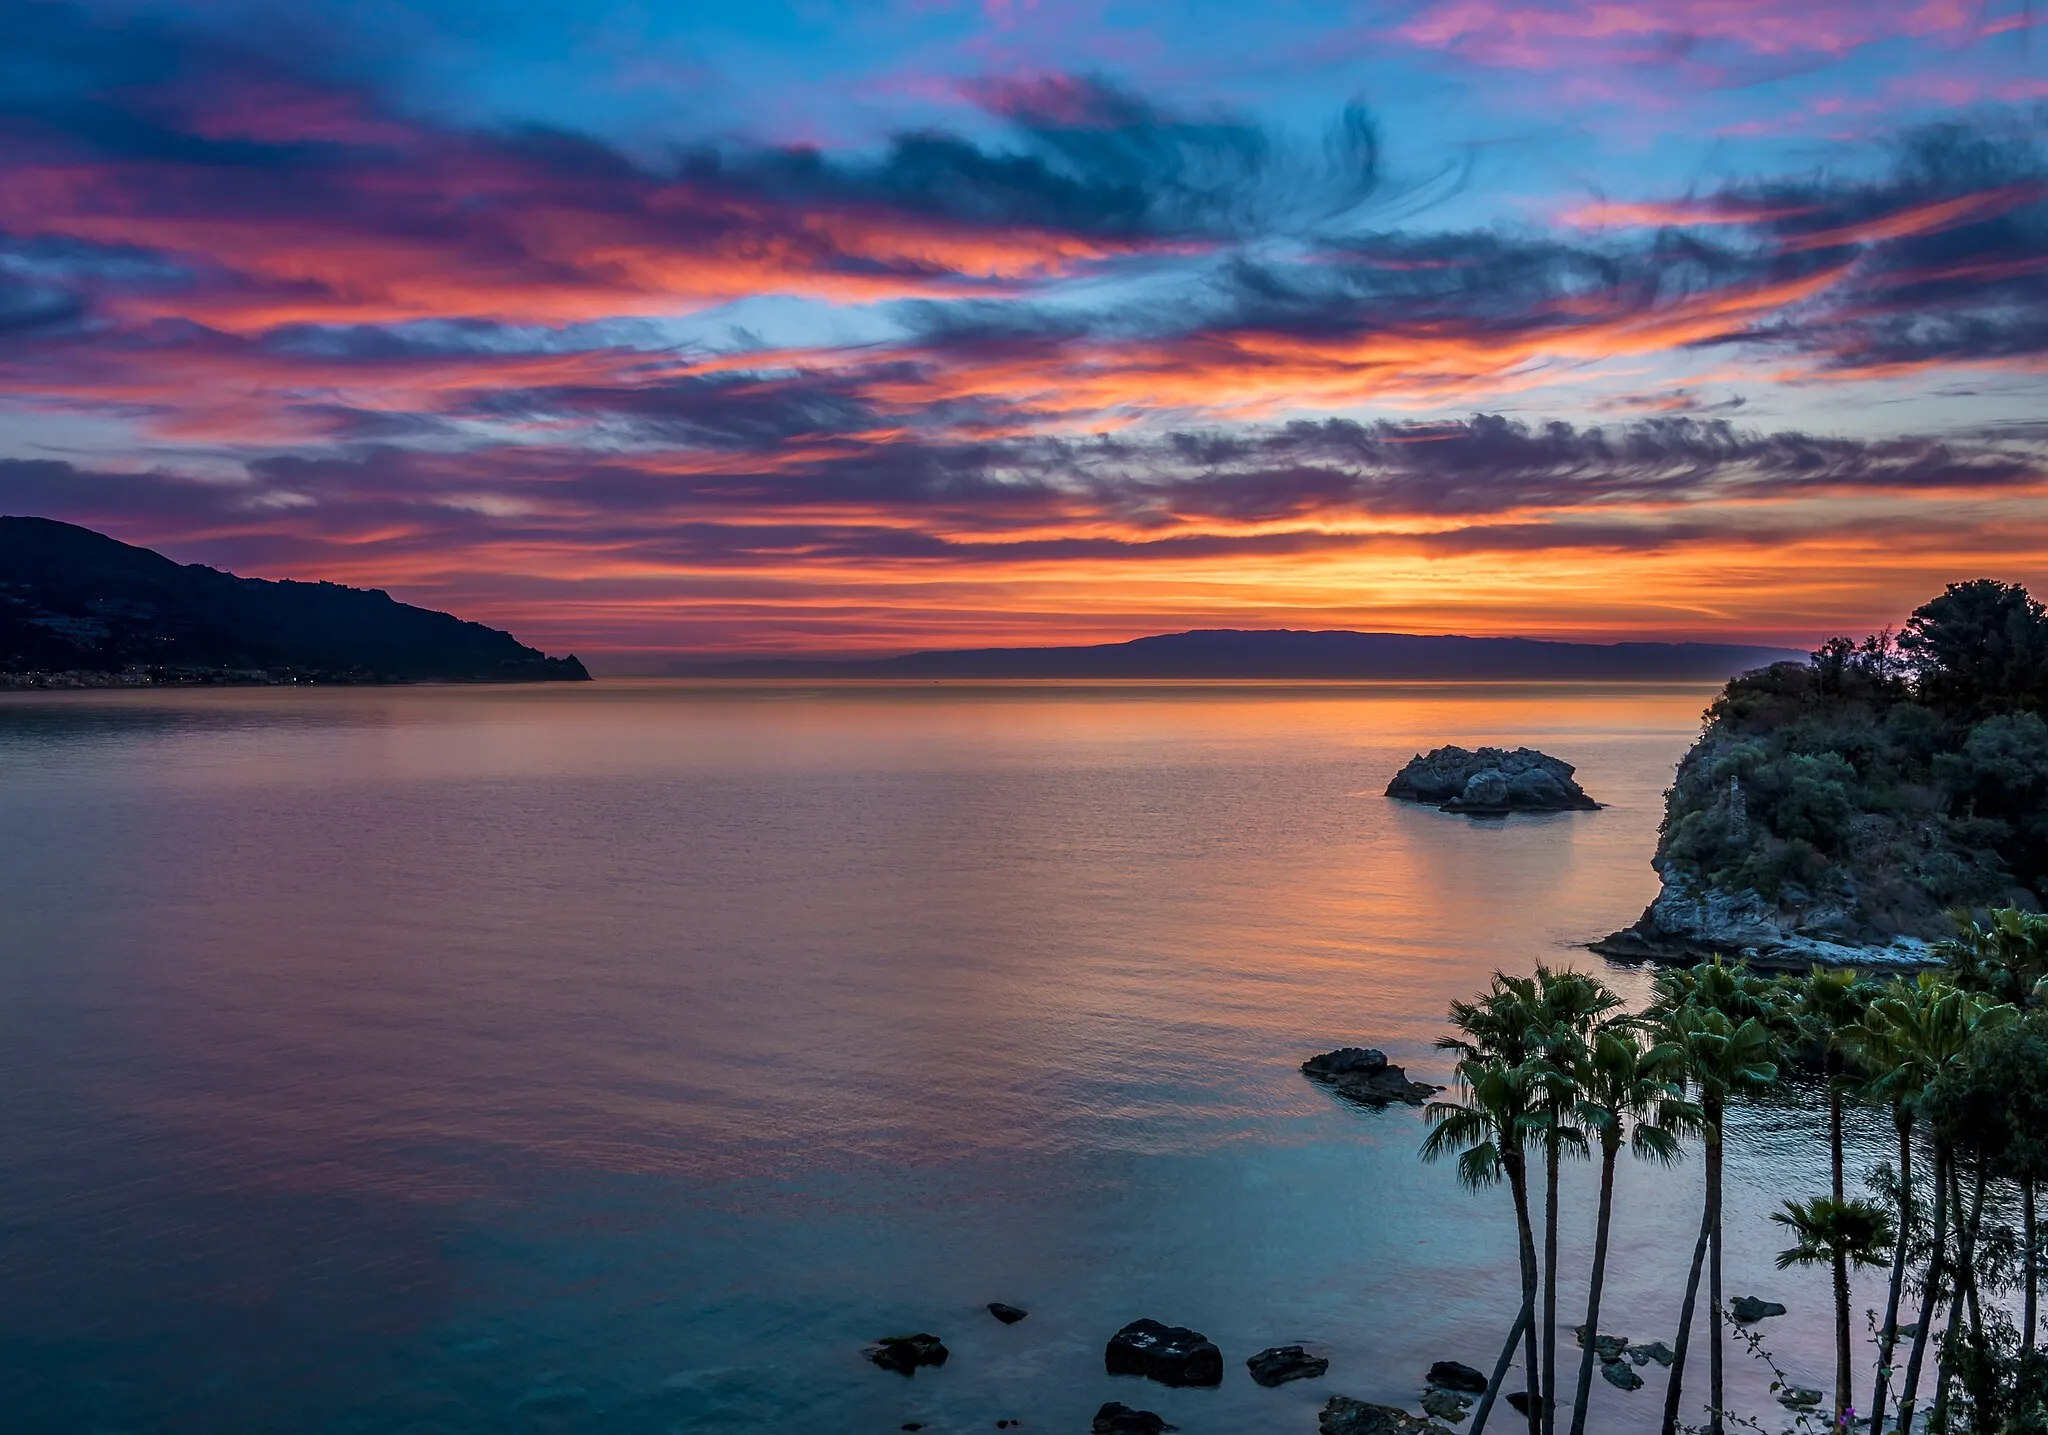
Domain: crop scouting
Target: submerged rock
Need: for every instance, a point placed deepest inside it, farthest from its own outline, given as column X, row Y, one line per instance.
column 1491, row 781
column 1452, row 1375
column 1345, row 1416
column 1748, row 1309
column 1117, row 1418
column 1606, row 1347
column 1799, row 1397
column 1446, row 1404
column 1169, row 1354
column 1367, row 1077
column 1618, row 1373
column 1007, row 1314
column 1656, row 1351
column 905, row 1353
column 1284, row 1363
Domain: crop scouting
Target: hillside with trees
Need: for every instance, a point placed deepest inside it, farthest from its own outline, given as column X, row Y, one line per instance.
column 78, row 608
column 1858, row 799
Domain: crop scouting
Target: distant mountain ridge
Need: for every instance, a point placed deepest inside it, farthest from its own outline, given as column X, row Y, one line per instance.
column 1282, row 653
column 75, row 601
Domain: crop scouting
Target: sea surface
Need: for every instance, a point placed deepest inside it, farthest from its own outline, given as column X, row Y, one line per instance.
column 623, row 1058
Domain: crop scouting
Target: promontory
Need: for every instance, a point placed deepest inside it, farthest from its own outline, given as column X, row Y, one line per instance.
column 1852, row 808
column 80, row 609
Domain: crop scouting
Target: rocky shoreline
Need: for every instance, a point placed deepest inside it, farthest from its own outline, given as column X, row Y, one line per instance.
column 1688, row 923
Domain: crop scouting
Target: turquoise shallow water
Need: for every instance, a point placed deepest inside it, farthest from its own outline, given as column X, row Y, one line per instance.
column 622, row 1058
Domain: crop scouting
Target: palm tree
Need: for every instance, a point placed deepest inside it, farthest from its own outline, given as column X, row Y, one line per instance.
column 1826, row 1003
column 2007, row 960
column 1505, row 1026
column 1910, row 1035
column 1726, row 1022
column 1838, row 1234
column 1569, row 1005
column 1627, row 1086
column 1489, row 1133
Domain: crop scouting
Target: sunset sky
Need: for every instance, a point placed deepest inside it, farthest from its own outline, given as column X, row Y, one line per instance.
column 655, row 328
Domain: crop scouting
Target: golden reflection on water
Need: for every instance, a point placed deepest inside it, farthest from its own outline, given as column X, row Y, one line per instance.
column 980, row 902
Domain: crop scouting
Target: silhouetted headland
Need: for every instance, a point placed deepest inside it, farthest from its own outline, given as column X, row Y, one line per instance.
column 1286, row 653
column 80, row 609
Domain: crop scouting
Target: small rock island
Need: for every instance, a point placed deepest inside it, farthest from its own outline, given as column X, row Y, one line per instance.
column 1491, row 782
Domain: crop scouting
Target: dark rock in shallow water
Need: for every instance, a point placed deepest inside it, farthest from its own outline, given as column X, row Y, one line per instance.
column 1618, row 1374
column 1606, row 1347
column 1748, row 1309
column 1007, row 1314
column 1367, row 1077
column 1520, row 1400
column 1446, row 1404
column 1491, row 781
column 1117, row 1418
column 1452, row 1375
column 1656, row 1350
column 1284, row 1363
column 905, row 1353
column 1169, row 1354
column 1345, row 1416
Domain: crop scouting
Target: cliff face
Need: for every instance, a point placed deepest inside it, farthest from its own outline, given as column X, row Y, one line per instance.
column 1836, row 817
column 75, row 600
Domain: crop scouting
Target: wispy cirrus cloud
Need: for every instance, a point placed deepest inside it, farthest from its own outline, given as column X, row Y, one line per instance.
column 905, row 541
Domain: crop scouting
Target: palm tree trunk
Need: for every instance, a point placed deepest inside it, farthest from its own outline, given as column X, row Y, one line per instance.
column 1518, row 1186
column 1843, row 1374
column 1841, row 1258
column 1835, row 1162
column 1714, row 1381
column 1966, row 1266
column 1692, row 1292
column 1610, row 1147
column 2030, row 1264
column 1935, row 1269
column 1944, row 1353
column 1888, row 1333
column 1500, row 1366
column 1551, row 1162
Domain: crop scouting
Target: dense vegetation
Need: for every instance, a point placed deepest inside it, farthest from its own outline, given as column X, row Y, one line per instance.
column 72, row 600
column 1549, row 1068
column 1870, row 790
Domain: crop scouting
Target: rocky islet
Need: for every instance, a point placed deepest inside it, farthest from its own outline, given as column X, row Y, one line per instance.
column 1491, row 781
column 1364, row 1075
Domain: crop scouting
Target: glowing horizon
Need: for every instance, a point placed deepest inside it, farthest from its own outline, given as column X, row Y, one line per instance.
column 924, row 324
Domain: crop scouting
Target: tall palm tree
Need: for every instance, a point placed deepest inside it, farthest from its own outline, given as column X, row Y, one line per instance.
column 1726, row 1022
column 1838, row 1234
column 1724, row 1058
column 1628, row 1087
column 1570, row 1004
column 1827, row 1002
column 1506, row 1026
column 1910, row 1035
column 1489, row 1131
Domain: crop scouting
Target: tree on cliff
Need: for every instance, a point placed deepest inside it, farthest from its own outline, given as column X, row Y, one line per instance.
column 1981, row 647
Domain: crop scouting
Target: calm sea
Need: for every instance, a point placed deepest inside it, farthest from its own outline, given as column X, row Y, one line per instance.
column 623, row 1058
